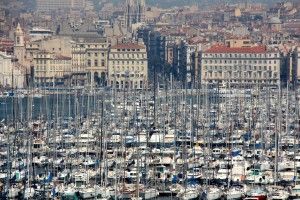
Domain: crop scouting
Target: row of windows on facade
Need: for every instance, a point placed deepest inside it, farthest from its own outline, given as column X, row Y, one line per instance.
column 52, row 68
column 38, row 61
column 240, row 75
column 240, row 61
column 137, row 68
column 89, row 46
column 128, row 55
column 127, row 84
column 128, row 62
column 240, row 68
column 42, row 75
column 240, row 55
column 95, row 54
column 132, row 50
column 89, row 63
column 35, row 45
column 129, row 75
column 43, row 56
column 242, row 81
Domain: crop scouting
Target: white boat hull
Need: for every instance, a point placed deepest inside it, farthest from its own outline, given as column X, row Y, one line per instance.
column 213, row 196
column 233, row 196
column 29, row 193
column 190, row 195
column 151, row 194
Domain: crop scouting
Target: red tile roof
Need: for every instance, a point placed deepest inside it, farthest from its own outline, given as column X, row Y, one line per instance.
column 128, row 46
column 6, row 45
column 225, row 49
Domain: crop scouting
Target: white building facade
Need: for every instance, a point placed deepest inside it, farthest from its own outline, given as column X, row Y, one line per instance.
column 11, row 76
column 128, row 66
column 242, row 65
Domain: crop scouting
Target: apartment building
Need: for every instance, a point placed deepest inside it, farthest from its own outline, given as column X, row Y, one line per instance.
column 90, row 55
column 57, row 44
column 296, row 64
column 240, row 65
column 52, row 5
column 128, row 66
column 11, row 75
column 51, row 69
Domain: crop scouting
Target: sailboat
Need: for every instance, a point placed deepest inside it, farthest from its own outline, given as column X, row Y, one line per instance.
column 258, row 193
column 234, row 193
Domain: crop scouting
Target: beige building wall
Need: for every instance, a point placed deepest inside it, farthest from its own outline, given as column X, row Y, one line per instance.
column 128, row 66
column 49, row 68
column 57, row 45
column 91, row 56
column 237, row 43
column 10, row 74
column 241, row 68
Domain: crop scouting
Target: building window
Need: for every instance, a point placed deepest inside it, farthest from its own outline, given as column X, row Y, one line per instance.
column 89, row 63
column 141, row 84
column 96, row 62
column 102, row 63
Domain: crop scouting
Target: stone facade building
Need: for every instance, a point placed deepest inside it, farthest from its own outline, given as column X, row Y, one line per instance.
column 128, row 66
column 51, row 69
column 90, row 55
column 240, row 65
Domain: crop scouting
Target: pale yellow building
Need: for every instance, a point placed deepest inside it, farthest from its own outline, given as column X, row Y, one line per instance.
column 237, row 12
column 51, row 69
column 56, row 44
column 90, row 55
column 237, row 43
column 128, row 66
